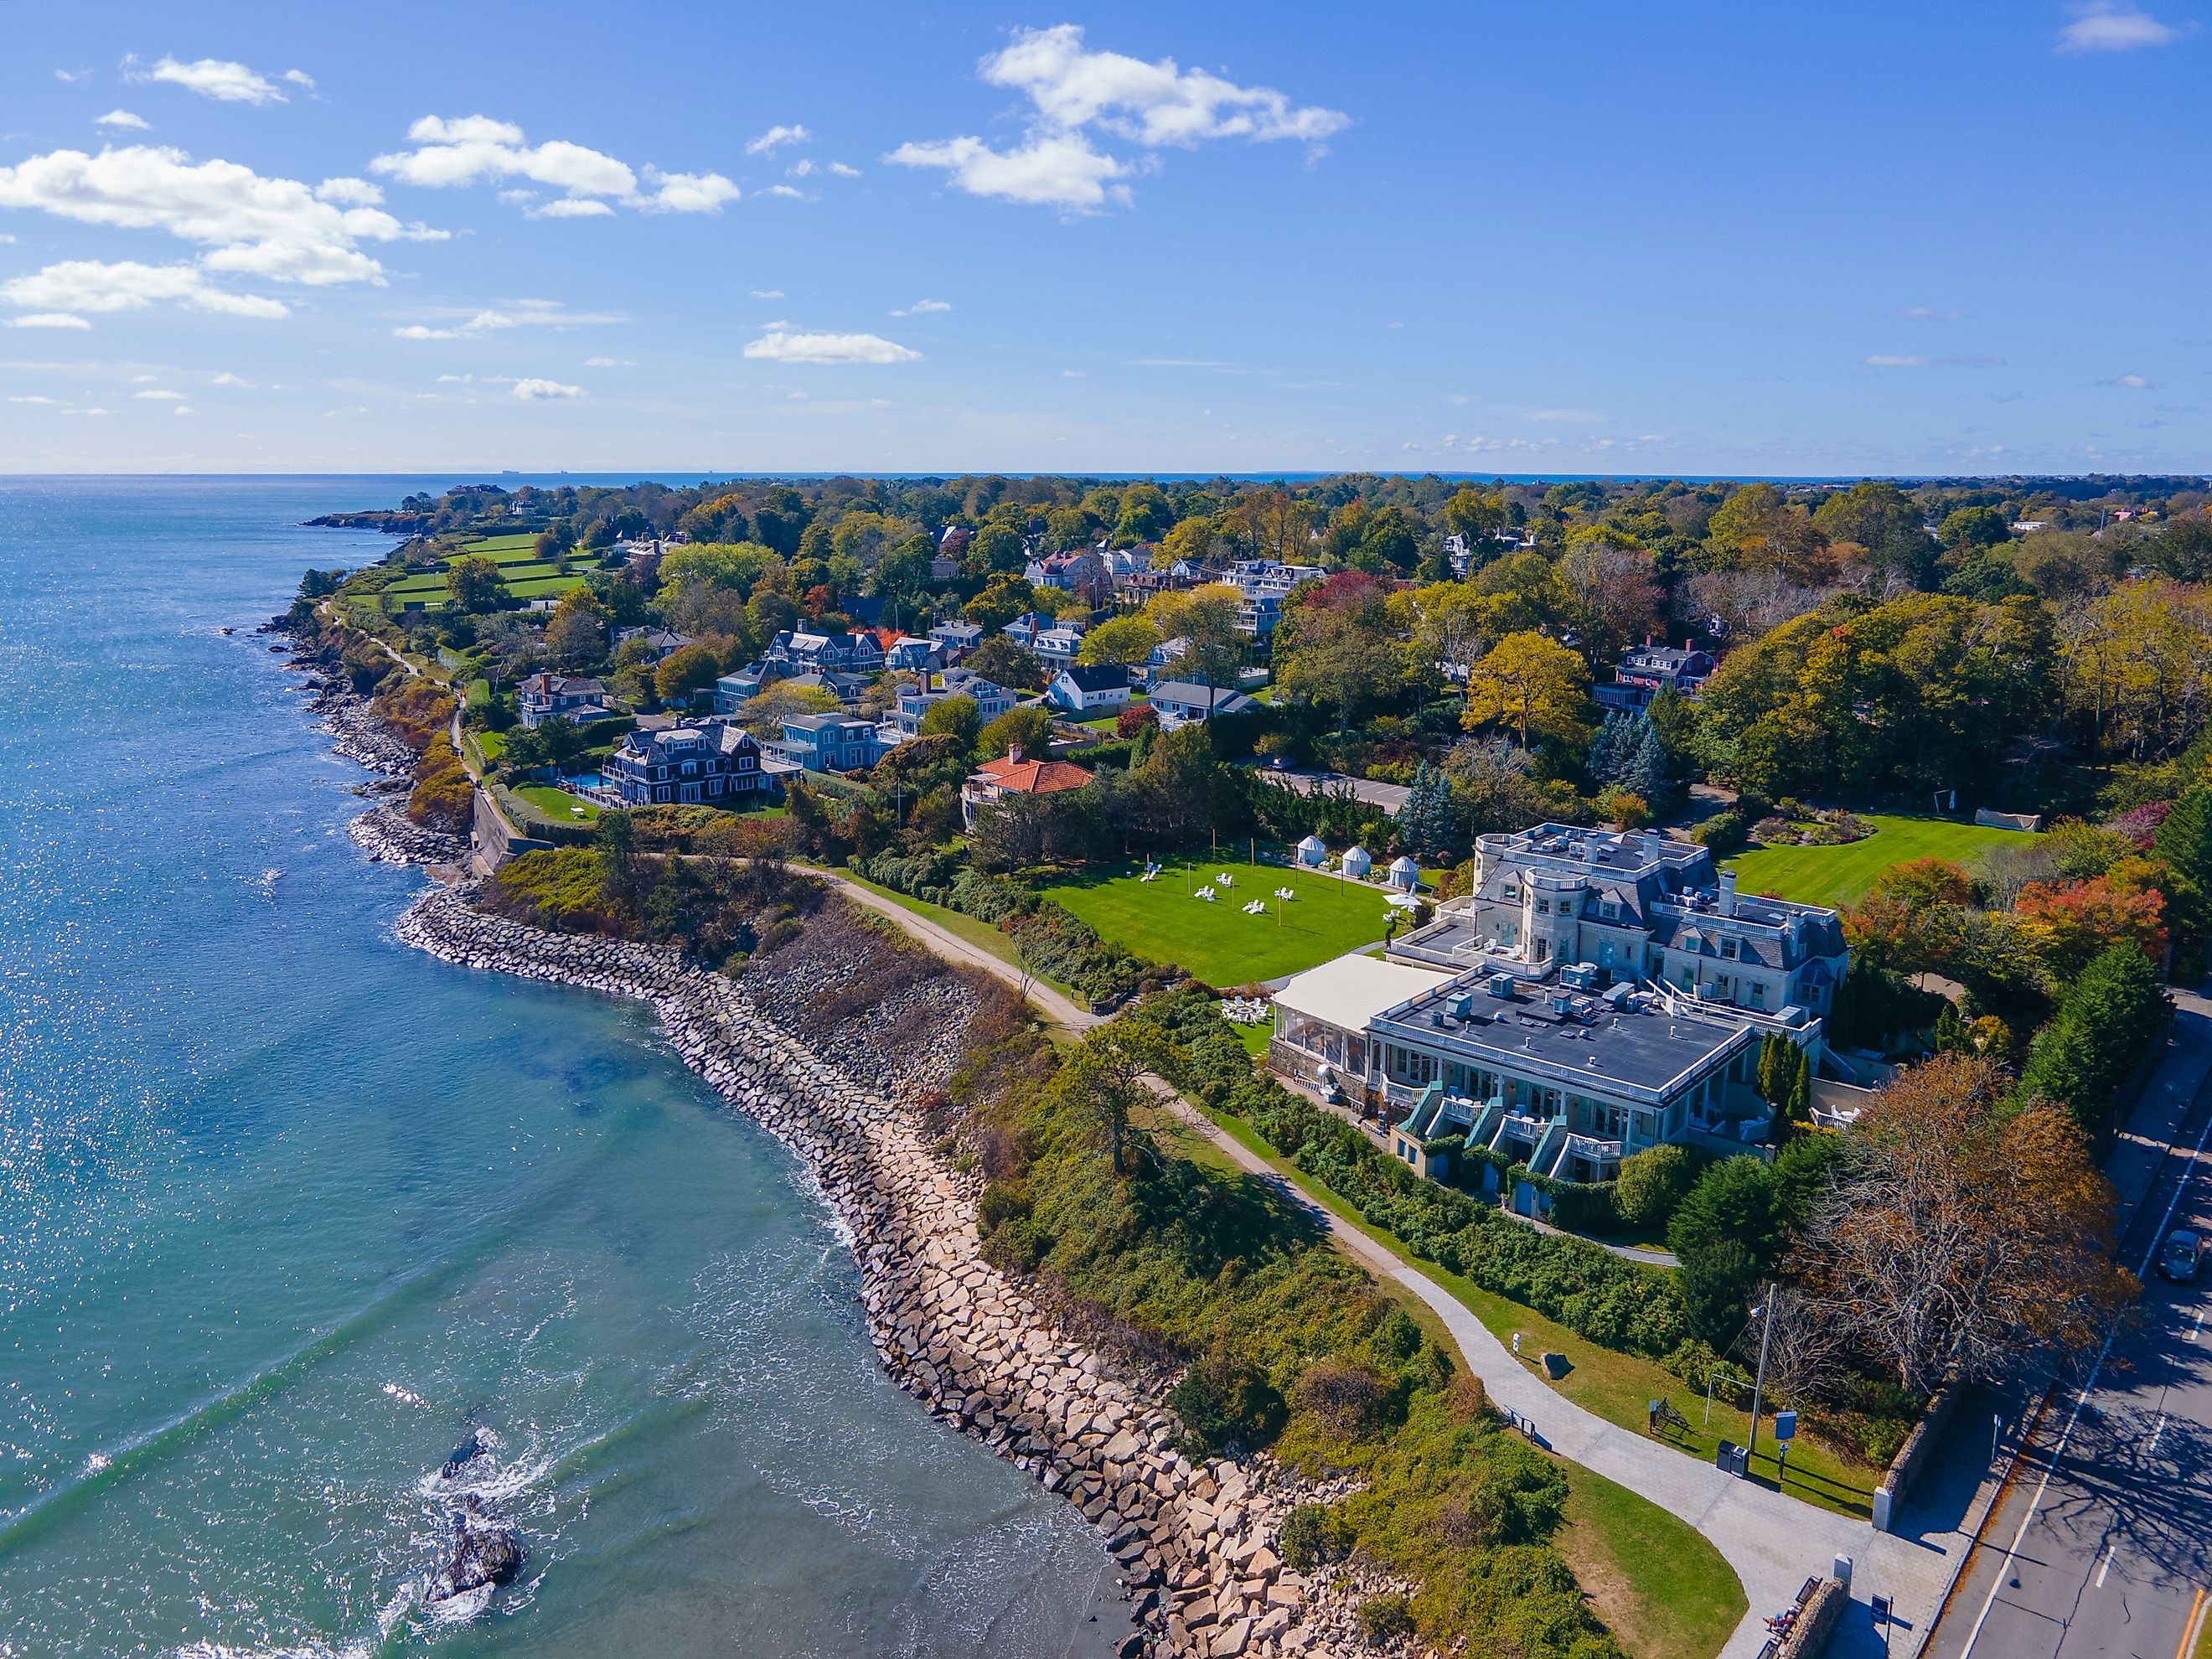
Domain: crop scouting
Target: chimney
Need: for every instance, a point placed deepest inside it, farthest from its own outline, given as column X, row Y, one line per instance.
column 1648, row 642
column 1014, row 754
column 1727, row 892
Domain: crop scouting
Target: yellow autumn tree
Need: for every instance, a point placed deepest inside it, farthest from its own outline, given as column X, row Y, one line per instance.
column 1533, row 685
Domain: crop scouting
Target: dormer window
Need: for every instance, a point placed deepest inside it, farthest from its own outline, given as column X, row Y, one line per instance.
column 1729, row 948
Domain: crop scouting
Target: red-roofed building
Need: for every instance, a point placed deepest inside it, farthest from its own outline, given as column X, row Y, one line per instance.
column 994, row 780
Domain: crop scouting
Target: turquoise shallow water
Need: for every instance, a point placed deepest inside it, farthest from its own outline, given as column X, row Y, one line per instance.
column 287, row 1209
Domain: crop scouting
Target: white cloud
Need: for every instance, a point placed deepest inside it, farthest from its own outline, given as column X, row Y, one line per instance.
column 1073, row 90
column 922, row 307
column 803, row 168
column 787, row 192
column 517, row 313
column 687, row 192
column 31, row 399
column 2103, row 25
column 70, row 77
column 1073, row 375
column 182, row 409
column 844, row 172
column 76, row 286
column 253, row 225
column 608, row 362
column 301, row 78
column 211, row 77
column 573, row 207
column 121, row 117
column 160, row 397
column 228, row 379
column 776, row 137
column 349, row 192
column 1890, row 359
column 781, row 346
column 469, row 149
column 1051, row 172
column 765, row 293
column 536, row 391
column 2133, row 382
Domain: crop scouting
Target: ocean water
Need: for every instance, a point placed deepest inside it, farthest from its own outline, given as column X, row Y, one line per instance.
column 288, row 1211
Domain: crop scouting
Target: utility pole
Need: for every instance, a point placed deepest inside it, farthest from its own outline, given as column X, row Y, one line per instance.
column 1766, row 1316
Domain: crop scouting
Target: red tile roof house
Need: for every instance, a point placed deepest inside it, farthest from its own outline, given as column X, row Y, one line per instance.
column 1013, row 775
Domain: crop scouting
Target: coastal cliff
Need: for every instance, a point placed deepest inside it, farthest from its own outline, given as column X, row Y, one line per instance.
column 1195, row 1542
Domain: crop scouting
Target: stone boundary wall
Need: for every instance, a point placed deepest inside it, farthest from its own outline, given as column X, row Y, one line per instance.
column 1195, row 1542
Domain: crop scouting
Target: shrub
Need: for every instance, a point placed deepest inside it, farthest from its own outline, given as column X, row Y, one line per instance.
column 1348, row 1400
column 2104, row 1025
column 1313, row 1537
column 1652, row 1184
column 1226, row 1403
column 1383, row 1619
column 1720, row 834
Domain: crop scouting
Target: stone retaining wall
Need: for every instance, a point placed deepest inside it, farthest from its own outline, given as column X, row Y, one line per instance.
column 388, row 835
column 1195, row 1543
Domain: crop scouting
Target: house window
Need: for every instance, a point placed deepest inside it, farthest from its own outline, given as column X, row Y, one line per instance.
column 1758, row 994
column 1543, row 907
column 1729, row 949
column 1610, row 909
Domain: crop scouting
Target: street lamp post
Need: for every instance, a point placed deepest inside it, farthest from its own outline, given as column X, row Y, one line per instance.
column 1766, row 1316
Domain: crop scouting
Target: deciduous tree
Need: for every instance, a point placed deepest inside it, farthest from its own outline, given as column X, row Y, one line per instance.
column 1533, row 685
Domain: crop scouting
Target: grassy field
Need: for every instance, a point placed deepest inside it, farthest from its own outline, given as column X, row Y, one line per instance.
column 558, row 804
column 980, row 935
column 1655, row 1583
column 1661, row 1588
column 1160, row 920
column 1614, row 1386
column 1841, row 875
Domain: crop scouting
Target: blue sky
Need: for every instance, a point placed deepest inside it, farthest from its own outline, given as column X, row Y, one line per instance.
column 1579, row 237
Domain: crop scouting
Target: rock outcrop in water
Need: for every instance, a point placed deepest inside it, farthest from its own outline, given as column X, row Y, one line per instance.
column 1195, row 1542
column 486, row 1552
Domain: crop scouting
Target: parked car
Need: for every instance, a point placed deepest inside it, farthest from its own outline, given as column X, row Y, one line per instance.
column 2179, row 1260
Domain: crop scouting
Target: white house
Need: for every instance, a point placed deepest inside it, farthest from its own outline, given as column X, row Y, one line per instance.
column 1082, row 690
column 1179, row 700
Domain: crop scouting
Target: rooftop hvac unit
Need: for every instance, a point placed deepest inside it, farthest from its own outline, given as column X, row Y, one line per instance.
column 1460, row 1005
column 1499, row 985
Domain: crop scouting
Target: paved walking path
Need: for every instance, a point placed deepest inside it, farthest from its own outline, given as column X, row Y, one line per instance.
column 1773, row 1542
column 945, row 943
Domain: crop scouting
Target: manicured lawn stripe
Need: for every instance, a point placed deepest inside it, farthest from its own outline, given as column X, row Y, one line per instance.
column 1161, row 920
column 1836, row 875
column 558, row 804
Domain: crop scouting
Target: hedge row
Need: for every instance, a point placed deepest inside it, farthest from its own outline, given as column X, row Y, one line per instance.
column 1053, row 941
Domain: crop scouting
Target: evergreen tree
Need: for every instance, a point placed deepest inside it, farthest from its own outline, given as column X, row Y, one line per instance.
column 1950, row 1034
column 1428, row 823
column 1607, row 749
column 1774, row 1053
column 1799, row 1106
column 1643, row 771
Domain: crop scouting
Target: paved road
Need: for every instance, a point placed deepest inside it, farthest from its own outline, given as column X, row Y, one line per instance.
column 1388, row 797
column 1773, row 1542
column 2103, row 1544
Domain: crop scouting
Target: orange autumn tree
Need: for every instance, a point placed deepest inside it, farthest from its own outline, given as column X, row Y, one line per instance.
column 2068, row 924
column 1962, row 1237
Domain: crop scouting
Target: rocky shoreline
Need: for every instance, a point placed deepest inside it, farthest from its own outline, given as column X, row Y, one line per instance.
column 1195, row 1542
column 389, row 836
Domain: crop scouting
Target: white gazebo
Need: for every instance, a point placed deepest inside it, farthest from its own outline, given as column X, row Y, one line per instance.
column 1405, row 874
column 1356, row 864
column 1311, row 852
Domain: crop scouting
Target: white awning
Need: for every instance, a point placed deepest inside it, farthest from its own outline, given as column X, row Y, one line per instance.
column 1352, row 990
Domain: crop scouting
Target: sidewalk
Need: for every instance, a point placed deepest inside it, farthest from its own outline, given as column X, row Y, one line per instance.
column 1773, row 1542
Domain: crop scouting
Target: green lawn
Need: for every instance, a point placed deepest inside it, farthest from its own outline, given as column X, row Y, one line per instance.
column 558, row 804
column 980, row 935
column 1838, row 876
column 1659, row 1585
column 1162, row 920
column 1614, row 1386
